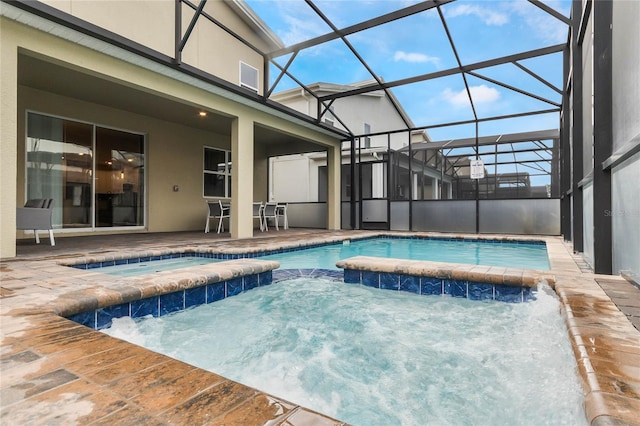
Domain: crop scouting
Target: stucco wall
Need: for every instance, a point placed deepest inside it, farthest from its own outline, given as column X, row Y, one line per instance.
column 213, row 50
column 625, row 197
column 626, row 72
column 587, row 101
column 625, row 217
column 8, row 148
column 152, row 23
column 373, row 109
column 587, row 223
column 174, row 156
column 171, row 160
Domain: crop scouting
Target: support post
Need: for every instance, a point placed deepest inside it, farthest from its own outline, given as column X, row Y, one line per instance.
column 334, row 206
column 602, row 134
column 577, row 142
column 565, row 151
column 242, row 141
column 352, row 183
column 8, row 143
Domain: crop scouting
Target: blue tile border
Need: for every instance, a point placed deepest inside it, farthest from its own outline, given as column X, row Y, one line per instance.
column 173, row 302
column 165, row 304
column 430, row 286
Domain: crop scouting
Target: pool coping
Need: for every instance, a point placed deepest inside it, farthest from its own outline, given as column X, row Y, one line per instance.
column 39, row 345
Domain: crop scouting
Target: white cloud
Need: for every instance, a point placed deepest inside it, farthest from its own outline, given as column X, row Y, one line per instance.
column 413, row 57
column 490, row 17
column 540, row 23
column 480, row 94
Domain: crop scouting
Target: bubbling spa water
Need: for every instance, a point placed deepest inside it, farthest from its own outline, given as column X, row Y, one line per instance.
column 377, row 357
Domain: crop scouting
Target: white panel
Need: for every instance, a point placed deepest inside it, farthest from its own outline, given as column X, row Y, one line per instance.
column 587, row 101
column 400, row 216
column 444, row 216
column 626, row 69
column 587, row 222
column 625, row 217
column 528, row 217
column 290, row 179
column 374, row 210
column 307, row 215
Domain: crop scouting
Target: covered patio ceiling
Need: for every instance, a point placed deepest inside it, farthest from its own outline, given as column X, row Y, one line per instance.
column 64, row 80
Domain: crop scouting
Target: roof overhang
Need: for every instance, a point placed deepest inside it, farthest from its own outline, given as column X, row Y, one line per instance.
column 48, row 19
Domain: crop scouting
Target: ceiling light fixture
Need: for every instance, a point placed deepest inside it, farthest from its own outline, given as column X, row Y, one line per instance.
column 202, row 113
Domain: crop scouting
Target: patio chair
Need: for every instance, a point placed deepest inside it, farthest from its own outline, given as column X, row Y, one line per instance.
column 36, row 215
column 281, row 211
column 270, row 212
column 217, row 210
column 258, row 208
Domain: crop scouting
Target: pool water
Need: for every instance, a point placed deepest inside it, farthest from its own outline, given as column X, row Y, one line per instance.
column 516, row 255
column 373, row 357
column 141, row 268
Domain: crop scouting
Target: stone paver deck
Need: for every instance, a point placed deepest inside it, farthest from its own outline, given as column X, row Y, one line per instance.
column 54, row 371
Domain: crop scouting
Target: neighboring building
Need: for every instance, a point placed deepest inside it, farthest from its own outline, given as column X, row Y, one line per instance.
column 368, row 115
column 129, row 129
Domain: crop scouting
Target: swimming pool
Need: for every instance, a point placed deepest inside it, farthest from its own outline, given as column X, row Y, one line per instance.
column 525, row 255
column 132, row 269
column 474, row 252
column 371, row 357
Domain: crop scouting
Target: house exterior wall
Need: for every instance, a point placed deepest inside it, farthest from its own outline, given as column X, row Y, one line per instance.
column 623, row 163
column 626, row 83
column 625, row 197
column 8, row 135
column 170, row 146
column 373, row 109
column 587, row 101
column 152, row 23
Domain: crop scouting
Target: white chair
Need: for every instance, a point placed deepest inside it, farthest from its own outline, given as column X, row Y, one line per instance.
column 36, row 215
column 258, row 208
column 281, row 211
column 217, row 210
column 270, row 211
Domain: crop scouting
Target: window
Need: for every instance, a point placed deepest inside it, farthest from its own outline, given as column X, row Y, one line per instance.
column 217, row 173
column 248, row 76
column 367, row 139
column 95, row 175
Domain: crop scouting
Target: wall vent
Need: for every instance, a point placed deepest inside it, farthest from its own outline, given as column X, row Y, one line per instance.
column 248, row 77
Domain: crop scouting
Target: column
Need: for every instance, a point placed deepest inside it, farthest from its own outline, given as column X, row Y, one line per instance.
column 242, row 178
column 334, row 208
column 8, row 142
column 602, row 134
column 577, row 128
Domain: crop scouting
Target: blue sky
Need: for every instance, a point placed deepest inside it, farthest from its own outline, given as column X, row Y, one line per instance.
column 481, row 30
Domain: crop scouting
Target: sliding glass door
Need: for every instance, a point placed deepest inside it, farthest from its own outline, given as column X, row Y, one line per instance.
column 119, row 178
column 95, row 175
